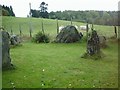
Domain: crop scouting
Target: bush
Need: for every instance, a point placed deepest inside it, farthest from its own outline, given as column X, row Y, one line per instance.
column 40, row 37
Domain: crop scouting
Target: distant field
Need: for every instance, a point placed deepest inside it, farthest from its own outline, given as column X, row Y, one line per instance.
column 50, row 26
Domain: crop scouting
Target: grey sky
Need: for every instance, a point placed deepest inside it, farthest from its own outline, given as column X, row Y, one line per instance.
column 21, row 7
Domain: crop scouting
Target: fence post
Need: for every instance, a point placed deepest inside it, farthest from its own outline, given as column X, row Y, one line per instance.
column 71, row 21
column 30, row 28
column 57, row 27
column 11, row 31
column 115, row 30
column 20, row 29
column 42, row 25
column 92, row 27
column 87, row 31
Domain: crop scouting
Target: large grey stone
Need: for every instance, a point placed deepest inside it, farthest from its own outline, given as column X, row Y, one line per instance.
column 68, row 34
column 6, row 60
column 0, row 50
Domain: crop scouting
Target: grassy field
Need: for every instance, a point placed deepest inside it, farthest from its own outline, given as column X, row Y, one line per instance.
column 59, row 65
column 50, row 26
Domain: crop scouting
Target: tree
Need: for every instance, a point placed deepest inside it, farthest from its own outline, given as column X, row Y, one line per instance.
column 7, row 11
column 90, row 16
column 35, row 13
column 43, row 10
column 43, row 7
column 52, row 15
column 11, row 11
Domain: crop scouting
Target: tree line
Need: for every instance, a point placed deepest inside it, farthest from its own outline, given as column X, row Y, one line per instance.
column 7, row 11
column 88, row 16
column 95, row 17
column 91, row 16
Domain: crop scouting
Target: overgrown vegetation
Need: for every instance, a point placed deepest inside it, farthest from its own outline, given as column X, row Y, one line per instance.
column 41, row 37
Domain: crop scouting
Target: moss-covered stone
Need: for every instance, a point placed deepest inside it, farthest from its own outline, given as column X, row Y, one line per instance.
column 93, row 47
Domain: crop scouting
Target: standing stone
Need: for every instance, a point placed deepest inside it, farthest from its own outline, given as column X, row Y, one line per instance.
column 6, row 60
column 93, row 44
column 0, row 51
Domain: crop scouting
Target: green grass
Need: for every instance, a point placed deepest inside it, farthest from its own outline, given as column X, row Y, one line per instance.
column 63, row 67
column 50, row 25
column 62, row 63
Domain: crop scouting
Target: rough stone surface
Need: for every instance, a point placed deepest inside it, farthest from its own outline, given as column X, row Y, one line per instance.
column 0, row 51
column 6, row 60
column 68, row 34
column 15, row 40
column 93, row 44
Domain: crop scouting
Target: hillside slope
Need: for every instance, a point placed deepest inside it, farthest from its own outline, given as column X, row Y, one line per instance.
column 50, row 25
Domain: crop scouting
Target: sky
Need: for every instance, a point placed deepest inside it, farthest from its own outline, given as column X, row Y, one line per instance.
column 21, row 7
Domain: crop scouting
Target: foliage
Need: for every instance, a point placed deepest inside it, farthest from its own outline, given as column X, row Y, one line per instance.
column 44, row 14
column 43, row 10
column 96, row 17
column 41, row 37
column 43, row 7
column 35, row 13
column 7, row 11
column 90, row 16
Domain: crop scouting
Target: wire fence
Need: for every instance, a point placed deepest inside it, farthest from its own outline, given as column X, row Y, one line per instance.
column 31, row 26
